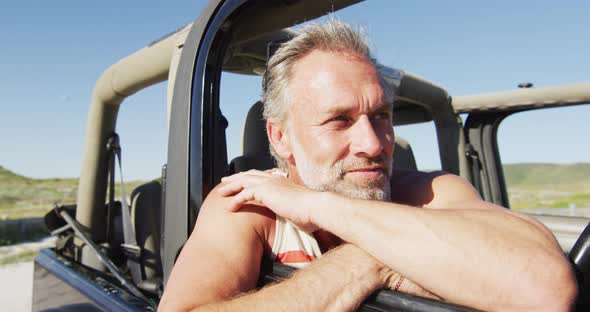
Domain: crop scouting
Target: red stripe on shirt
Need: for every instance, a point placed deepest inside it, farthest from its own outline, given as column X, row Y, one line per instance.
column 294, row 256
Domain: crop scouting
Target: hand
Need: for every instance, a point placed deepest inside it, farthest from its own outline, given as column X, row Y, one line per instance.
column 356, row 259
column 277, row 193
column 394, row 281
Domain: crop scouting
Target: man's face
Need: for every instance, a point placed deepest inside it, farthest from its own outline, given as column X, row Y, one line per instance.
column 339, row 126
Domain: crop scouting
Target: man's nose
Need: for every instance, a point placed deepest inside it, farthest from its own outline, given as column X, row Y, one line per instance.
column 365, row 142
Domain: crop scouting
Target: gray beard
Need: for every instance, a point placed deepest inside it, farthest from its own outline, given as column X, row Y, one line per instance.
column 332, row 180
column 351, row 191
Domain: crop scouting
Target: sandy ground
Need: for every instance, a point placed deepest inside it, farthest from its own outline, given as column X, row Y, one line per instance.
column 16, row 280
column 16, row 287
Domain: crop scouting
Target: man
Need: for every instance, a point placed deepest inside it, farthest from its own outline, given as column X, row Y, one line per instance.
column 329, row 123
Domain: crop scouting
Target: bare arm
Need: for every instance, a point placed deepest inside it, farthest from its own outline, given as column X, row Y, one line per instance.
column 338, row 281
column 463, row 249
column 219, row 266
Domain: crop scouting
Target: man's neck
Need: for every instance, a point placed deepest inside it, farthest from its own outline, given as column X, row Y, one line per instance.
column 293, row 175
column 326, row 240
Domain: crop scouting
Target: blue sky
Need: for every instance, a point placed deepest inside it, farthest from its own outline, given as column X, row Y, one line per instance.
column 52, row 52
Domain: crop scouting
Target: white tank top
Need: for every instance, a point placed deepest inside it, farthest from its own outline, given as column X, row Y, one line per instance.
column 292, row 246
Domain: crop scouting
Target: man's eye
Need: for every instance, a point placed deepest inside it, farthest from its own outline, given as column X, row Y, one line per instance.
column 382, row 116
column 339, row 121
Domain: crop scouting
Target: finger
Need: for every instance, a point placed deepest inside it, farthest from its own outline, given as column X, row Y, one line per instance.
column 229, row 189
column 252, row 172
column 244, row 197
column 412, row 288
column 232, row 187
column 258, row 172
column 236, row 176
column 275, row 171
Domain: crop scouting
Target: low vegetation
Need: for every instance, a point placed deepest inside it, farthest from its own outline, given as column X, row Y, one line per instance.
column 23, row 197
column 24, row 256
column 529, row 186
column 548, row 185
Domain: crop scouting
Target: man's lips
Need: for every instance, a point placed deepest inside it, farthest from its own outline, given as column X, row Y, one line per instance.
column 367, row 173
column 367, row 169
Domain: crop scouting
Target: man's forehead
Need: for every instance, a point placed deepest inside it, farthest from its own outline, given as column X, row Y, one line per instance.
column 327, row 87
column 330, row 61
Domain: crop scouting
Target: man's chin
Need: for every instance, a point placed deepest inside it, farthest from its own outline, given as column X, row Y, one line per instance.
column 373, row 190
column 369, row 194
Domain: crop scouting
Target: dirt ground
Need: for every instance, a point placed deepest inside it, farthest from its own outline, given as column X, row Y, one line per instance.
column 16, row 288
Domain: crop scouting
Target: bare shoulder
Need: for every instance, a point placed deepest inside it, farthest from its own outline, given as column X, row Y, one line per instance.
column 435, row 189
column 222, row 256
column 214, row 210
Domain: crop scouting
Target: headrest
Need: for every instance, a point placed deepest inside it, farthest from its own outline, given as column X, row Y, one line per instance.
column 255, row 141
column 403, row 156
column 255, row 147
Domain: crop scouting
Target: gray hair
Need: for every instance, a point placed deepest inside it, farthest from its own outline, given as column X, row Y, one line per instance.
column 332, row 36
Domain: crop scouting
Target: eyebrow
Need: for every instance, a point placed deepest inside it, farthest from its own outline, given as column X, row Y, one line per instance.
column 384, row 106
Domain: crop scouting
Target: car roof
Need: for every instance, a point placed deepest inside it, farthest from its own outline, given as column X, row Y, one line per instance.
column 416, row 93
column 520, row 99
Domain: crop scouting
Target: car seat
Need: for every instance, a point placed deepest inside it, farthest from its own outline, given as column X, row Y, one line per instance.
column 145, row 216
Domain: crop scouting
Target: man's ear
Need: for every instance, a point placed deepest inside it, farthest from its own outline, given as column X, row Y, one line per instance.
column 278, row 138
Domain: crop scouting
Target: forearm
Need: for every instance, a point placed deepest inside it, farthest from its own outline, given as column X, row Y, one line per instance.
column 463, row 256
column 332, row 283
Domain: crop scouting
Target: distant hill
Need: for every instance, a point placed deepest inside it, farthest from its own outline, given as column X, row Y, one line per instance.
column 548, row 185
column 560, row 176
column 9, row 176
column 529, row 186
column 22, row 197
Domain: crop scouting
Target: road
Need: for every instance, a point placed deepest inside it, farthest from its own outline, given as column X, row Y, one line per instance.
column 569, row 212
column 16, row 287
column 17, row 279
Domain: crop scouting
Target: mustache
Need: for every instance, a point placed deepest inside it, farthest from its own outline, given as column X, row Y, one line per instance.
column 356, row 163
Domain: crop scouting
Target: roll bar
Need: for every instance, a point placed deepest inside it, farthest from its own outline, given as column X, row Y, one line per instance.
column 137, row 71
